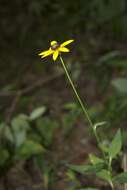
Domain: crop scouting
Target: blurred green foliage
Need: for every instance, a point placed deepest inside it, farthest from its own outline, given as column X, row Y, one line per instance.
column 30, row 137
column 102, row 166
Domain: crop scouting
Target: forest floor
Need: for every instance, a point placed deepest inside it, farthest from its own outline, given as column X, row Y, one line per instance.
column 49, row 88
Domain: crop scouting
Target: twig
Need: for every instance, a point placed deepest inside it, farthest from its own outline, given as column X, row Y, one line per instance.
column 17, row 95
column 13, row 107
column 32, row 87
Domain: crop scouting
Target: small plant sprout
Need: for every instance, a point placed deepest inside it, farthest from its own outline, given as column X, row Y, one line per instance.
column 101, row 167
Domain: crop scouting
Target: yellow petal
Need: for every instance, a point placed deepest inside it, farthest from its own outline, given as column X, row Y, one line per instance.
column 53, row 43
column 44, row 52
column 55, row 55
column 64, row 49
column 47, row 53
column 66, row 43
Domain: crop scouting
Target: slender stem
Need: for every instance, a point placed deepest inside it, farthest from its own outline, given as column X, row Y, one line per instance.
column 110, row 170
column 83, row 106
column 77, row 95
column 112, row 185
column 110, row 164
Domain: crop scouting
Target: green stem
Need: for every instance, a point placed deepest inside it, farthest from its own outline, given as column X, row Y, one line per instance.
column 112, row 185
column 81, row 104
column 110, row 164
column 76, row 93
column 86, row 114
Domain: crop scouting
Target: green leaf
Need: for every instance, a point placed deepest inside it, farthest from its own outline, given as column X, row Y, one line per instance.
column 28, row 149
column 99, row 124
column 20, row 123
column 8, row 134
column 105, row 175
column 20, row 126
column 121, row 178
column 120, row 84
column 119, row 63
column 87, row 168
column 107, row 58
column 20, row 138
column 71, row 175
column 37, row 113
column 95, row 160
column 104, row 146
column 115, row 145
column 46, row 128
column 69, row 121
column 71, row 106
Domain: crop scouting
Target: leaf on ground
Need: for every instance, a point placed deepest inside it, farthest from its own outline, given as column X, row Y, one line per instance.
column 120, row 84
column 36, row 113
column 28, row 149
column 87, row 168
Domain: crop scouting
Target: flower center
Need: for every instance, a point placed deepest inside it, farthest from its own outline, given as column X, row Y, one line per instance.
column 54, row 45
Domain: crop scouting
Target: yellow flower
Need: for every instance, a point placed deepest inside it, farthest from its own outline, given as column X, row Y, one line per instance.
column 55, row 49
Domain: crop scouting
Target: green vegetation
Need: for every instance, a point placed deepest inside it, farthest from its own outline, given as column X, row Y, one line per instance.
column 45, row 140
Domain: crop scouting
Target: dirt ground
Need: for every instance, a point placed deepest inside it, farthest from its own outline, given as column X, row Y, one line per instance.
column 73, row 149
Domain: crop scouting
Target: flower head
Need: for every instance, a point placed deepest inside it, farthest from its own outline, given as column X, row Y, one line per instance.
column 55, row 49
